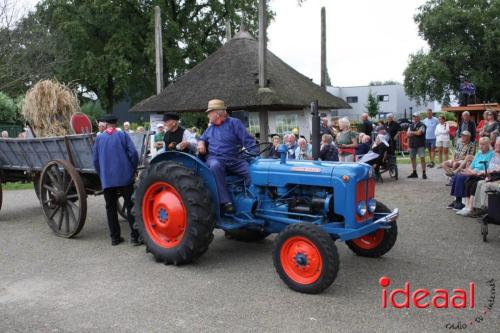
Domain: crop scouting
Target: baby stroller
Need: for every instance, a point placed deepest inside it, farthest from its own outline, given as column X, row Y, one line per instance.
column 493, row 216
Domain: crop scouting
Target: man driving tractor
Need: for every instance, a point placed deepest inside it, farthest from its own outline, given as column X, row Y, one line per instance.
column 221, row 140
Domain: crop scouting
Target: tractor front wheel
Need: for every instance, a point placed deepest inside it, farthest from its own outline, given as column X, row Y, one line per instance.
column 378, row 243
column 306, row 258
column 173, row 213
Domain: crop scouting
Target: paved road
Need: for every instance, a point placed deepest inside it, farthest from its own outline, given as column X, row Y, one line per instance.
column 50, row 284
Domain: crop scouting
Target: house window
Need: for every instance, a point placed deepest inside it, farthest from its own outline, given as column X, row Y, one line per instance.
column 335, row 113
column 352, row 99
column 383, row 98
column 285, row 123
column 253, row 123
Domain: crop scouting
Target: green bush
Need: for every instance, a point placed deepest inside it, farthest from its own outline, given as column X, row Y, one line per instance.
column 93, row 110
column 9, row 109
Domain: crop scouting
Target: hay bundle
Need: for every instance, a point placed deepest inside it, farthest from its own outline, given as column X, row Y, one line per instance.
column 48, row 107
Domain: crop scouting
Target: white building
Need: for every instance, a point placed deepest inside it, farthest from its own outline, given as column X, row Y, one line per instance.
column 391, row 98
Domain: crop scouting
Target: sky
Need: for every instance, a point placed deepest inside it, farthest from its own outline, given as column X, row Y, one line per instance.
column 366, row 40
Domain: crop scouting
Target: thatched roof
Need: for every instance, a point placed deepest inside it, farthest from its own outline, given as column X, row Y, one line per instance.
column 231, row 74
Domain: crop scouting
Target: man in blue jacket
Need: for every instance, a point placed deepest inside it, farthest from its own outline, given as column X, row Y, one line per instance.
column 222, row 140
column 115, row 160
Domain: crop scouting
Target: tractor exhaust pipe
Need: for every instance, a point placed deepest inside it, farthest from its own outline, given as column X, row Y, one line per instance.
column 316, row 134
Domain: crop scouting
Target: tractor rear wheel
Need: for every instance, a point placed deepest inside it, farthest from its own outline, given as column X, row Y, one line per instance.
column 246, row 235
column 173, row 213
column 378, row 243
column 306, row 258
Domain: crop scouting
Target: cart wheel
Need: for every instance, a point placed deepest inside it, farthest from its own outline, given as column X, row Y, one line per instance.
column 36, row 185
column 484, row 231
column 63, row 198
column 122, row 211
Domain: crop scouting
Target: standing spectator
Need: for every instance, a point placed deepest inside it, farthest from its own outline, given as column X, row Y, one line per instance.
column 295, row 132
column 292, row 146
column 346, row 141
column 273, row 152
column 325, row 128
column 465, row 147
column 5, row 134
column 177, row 137
column 115, row 160
column 159, row 136
column 393, row 129
column 467, row 124
column 430, row 123
column 442, row 133
column 140, row 129
column 126, row 127
column 328, row 151
column 490, row 125
column 101, row 127
column 304, row 150
column 416, row 138
column 366, row 125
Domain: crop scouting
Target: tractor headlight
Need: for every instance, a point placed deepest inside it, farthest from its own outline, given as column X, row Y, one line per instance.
column 362, row 208
column 372, row 205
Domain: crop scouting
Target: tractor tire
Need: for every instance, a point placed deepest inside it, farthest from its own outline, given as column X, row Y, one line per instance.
column 246, row 235
column 377, row 243
column 173, row 213
column 306, row 258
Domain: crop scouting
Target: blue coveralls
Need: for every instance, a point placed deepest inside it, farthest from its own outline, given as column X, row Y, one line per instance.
column 115, row 160
column 223, row 143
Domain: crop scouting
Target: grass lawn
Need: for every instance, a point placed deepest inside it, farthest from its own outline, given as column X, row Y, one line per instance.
column 406, row 158
column 17, row 186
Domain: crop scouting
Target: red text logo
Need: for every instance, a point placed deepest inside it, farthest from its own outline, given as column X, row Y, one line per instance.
column 423, row 298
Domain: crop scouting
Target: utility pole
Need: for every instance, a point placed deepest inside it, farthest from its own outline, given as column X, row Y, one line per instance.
column 159, row 51
column 263, row 114
column 323, row 48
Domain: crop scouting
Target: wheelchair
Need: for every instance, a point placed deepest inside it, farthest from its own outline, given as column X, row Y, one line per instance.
column 388, row 165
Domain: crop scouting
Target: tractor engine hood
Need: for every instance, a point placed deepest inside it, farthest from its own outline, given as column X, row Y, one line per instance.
column 271, row 172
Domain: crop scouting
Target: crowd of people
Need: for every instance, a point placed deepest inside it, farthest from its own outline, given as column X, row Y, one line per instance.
column 472, row 174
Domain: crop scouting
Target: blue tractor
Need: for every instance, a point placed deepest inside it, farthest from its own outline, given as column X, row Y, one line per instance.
column 310, row 204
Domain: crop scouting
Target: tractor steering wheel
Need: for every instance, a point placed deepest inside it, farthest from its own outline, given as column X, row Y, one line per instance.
column 247, row 151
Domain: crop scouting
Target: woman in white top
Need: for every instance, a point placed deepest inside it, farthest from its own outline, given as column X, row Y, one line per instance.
column 442, row 139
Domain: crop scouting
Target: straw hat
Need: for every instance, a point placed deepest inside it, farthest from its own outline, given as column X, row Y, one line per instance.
column 216, row 104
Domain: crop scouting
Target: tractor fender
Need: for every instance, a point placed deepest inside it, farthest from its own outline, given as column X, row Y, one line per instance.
column 199, row 168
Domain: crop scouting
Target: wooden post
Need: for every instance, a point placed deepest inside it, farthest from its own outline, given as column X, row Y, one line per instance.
column 323, row 48
column 159, row 51
column 228, row 30
column 263, row 114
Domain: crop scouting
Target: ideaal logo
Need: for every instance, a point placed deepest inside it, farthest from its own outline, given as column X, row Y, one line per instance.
column 438, row 298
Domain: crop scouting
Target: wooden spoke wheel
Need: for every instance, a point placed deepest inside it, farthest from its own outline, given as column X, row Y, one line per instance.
column 63, row 198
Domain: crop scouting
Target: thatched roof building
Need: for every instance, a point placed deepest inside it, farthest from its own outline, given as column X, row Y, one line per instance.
column 231, row 74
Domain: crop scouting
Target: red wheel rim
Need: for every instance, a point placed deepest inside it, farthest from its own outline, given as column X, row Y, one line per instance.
column 164, row 215
column 371, row 241
column 301, row 260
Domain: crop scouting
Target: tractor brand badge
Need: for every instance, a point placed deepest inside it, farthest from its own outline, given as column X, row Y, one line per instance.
column 303, row 169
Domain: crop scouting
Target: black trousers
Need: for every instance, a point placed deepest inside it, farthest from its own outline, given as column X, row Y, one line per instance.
column 111, row 196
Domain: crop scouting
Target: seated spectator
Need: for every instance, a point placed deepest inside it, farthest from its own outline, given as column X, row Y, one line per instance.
column 380, row 147
column 304, row 150
column 475, row 169
column 477, row 202
column 5, row 134
column 273, row 152
column 328, row 151
column 490, row 125
column 364, row 144
column 465, row 147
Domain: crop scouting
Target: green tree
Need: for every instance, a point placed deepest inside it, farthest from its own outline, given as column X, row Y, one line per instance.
column 383, row 83
column 93, row 110
column 9, row 109
column 464, row 39
column 373, row 107
column 109, row 45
